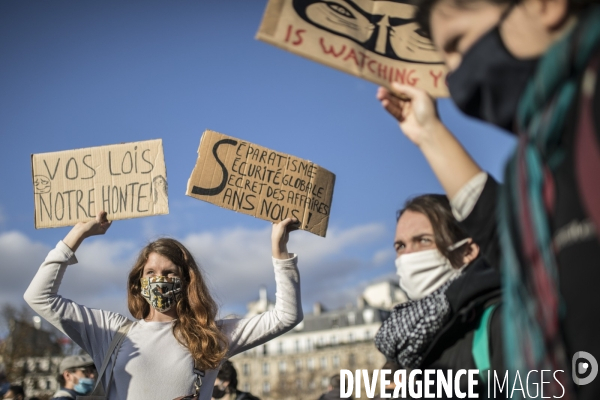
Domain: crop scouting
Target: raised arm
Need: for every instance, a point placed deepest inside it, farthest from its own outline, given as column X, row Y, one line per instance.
column 247, row 333
column 90, row 328
column 472, row 193
column 417, row 116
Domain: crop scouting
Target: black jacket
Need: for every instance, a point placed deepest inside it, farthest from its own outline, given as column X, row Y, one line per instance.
column 245, row 396
column 469, row 295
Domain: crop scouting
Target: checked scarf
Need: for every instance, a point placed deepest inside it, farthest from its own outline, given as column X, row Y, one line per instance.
column 411, row 327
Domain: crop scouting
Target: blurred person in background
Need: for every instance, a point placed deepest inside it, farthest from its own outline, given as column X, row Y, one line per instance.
column 15, row 392
column 333, row 390
column 225, row 387
column 76, row 377
column 4, row 383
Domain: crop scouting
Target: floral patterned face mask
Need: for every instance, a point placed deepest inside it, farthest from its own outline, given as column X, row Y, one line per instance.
column 161, row 292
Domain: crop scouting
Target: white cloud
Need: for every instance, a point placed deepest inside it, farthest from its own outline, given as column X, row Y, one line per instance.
column 20, row 259
column 97, row 281
column 384, row 257
column 236, row 262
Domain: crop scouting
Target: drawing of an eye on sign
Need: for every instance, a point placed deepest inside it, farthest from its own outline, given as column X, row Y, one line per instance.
column 376, row 40
column 387, row 28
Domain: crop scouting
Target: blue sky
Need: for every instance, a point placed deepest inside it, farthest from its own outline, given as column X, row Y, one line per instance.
column 87, row 73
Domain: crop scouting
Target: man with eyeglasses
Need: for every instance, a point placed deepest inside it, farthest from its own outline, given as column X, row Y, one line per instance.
column 76, row 377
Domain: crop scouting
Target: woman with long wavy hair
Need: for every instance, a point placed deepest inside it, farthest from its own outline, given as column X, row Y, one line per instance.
column 176, row 341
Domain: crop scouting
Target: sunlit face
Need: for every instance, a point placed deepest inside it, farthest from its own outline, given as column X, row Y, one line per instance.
column 72, row 376
column 455, row 29
column 414, row 233
column 159, row 265
column 384, row 27
column 526, row 29
column 41, row 184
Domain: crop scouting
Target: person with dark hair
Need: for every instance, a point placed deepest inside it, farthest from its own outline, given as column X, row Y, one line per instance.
column 530, row 67
column 176, row 344
column 226, row 385
column 75, row 376
column 4, row 383
column 454, row 296
column 15, row 392
column 333, row 390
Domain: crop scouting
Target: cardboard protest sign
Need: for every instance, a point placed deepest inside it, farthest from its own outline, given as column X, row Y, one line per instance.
column 376, row 40
column 257, row 181
column 126, row 180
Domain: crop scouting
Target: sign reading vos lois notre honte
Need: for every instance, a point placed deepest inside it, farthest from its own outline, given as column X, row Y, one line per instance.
column 126, row 180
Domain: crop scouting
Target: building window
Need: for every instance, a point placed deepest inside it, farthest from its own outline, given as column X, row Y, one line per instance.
column 48, row 385
column 351, row 360
column 297, row 346
column 310, row 364
column 368, row 335
column 266, row 388
column 309, row 345
column 265, row 368
column 298, row 364
column 282, row 366
column 246, row 387
column 333, row 340
column 299, row 383
column 246, row 369
column 350, row 338
column 325, row 383
column 312, row 385
column 323, row 362
column 336, row 361
column 264, row 350
column 280, row 347
column 321, row 341
column 351, row 318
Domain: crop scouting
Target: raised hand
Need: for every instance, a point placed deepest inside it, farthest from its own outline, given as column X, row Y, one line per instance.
column 280, row 235
column 414, row 109
column 82, row 230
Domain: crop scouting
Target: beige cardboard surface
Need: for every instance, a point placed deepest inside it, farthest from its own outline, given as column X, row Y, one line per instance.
column 257, row 181
column 339, row 34
column 126, row 180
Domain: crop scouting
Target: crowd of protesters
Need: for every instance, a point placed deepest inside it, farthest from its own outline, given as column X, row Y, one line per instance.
column 515, row 263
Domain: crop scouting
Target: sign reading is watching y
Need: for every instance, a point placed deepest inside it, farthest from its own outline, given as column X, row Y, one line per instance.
column 377, row 40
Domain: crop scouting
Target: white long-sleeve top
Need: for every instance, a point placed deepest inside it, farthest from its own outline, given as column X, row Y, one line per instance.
column 151, row 363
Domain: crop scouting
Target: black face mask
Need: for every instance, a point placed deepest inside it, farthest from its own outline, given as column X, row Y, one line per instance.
column 490, row 81
column 218, row 393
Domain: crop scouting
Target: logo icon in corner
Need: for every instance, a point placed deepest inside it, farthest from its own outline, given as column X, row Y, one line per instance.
column 582, row 364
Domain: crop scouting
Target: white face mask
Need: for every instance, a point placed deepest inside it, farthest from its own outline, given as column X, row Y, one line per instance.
column 423, row 272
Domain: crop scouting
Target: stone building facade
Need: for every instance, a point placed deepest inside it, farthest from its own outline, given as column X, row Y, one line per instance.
column 300, row 363
column 40, row 375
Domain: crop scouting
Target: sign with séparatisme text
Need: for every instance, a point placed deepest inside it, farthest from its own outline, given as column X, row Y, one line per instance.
column 251, row 179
